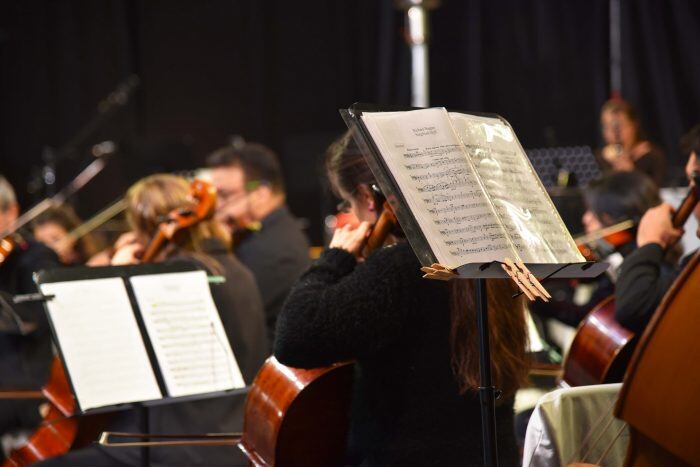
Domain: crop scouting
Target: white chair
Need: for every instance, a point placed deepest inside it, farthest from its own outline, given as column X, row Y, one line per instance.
column 576, row 425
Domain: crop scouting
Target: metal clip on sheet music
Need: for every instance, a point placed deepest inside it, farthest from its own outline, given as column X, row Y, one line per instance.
column 525, row 280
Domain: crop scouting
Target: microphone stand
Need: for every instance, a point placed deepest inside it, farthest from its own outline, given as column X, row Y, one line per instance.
column 87, row 174
column 45, row 177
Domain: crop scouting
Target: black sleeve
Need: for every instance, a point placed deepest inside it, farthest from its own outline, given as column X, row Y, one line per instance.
column 340, row 310
column 644, row 279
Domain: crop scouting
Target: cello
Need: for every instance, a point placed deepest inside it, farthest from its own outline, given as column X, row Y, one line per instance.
column 288, row 410
column 61, row 428
column 602, row 347
column 658, row 399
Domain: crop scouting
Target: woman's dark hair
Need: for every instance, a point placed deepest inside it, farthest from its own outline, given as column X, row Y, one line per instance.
column 346, row 166
column 347, row 170
column 621, row 196
column 64, row 216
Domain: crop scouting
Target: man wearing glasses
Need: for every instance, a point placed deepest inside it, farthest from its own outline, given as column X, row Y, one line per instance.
column 266, row 237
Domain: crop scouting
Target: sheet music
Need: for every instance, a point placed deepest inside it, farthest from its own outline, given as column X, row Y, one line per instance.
column 100, row 342
column 529, row 216
column 185, row 329
column 428, row 162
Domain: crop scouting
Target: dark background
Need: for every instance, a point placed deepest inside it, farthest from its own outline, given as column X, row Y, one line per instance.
column 277, row 72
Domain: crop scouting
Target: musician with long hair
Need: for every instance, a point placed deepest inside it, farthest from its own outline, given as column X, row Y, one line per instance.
column 240, row 307
column 415, row 394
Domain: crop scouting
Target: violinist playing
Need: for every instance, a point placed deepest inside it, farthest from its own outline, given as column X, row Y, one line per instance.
column 610, row 200
column 149, row 202
column 644, row 277
column 415, row 398
column 24, row 359
column 251, row 203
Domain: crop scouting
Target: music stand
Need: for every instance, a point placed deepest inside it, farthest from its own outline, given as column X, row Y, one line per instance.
column 480, row 272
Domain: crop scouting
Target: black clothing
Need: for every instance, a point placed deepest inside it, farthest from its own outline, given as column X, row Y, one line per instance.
column 24, row 360
column 652, row 163
column 406, row 406
column 277, row 255
column 241, row 311
column 644, row 279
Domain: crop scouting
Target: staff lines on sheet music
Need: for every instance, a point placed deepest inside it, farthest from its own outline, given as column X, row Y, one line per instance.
column 457, row 207
column 461, row 219
column 451, row 172
column 440, row 162
column 477, row 239
column 469, row 228
column 436, row 198
column 443, row 150
column 459, row 251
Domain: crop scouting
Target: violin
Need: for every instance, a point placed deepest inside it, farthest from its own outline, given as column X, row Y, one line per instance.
column 602, row 243
column 602, row 347
column 293, row 416
column 60, row 429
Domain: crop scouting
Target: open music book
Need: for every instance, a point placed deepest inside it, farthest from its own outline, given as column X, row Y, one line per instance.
column 168, row 342
column 470, row 187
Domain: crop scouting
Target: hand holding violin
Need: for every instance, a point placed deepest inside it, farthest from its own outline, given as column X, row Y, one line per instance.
column 656, row 227
column 351, row 240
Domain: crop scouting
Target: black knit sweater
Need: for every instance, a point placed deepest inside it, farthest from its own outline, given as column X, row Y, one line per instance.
column 406, row 407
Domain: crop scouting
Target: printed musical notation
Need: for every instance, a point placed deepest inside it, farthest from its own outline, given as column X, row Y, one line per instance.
column 470, row 187
column 186, row 332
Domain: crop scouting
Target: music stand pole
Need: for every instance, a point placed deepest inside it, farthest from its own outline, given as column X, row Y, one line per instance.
column 487, row 393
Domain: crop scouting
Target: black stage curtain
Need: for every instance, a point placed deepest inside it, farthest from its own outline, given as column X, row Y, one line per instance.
column 276, row 72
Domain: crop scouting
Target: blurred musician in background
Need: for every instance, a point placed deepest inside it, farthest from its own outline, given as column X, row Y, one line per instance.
column 267, row 238
column 415, row 396
column 616, row 197
column 644, row 276
column 24, row 359
column 240, row 307
column 53, row 229
column 626, row 147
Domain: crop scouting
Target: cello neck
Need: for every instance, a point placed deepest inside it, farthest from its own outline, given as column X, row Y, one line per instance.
column 688, row 205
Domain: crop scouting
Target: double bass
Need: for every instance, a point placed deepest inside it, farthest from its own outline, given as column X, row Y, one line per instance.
column 61, row 428
column 602, row 347
column 659, row 397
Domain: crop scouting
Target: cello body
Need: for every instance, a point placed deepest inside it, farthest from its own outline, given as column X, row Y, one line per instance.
column 601, row 349
column 659, row 398
column 297, row 417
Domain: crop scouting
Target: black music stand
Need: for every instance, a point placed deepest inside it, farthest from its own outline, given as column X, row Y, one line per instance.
column 125, row 273
column 480, row 272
